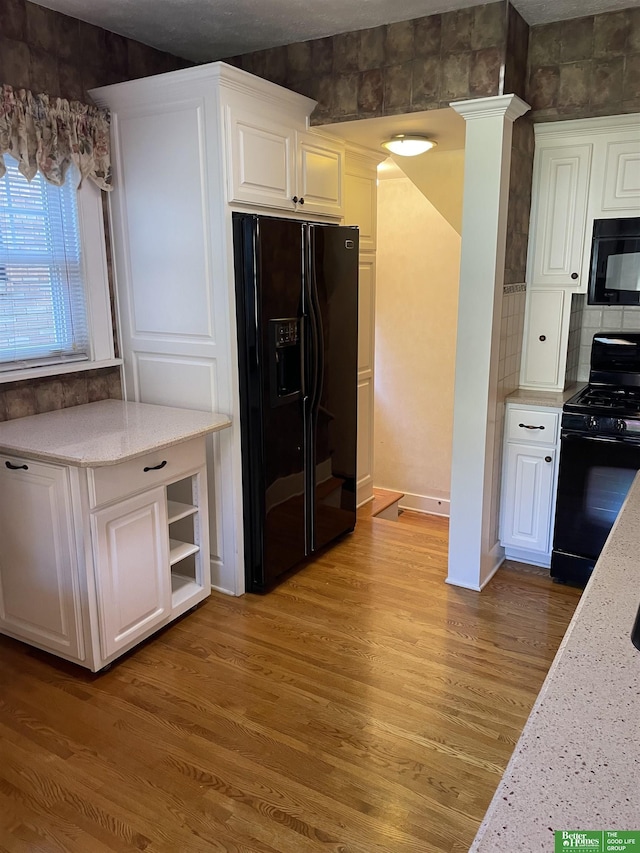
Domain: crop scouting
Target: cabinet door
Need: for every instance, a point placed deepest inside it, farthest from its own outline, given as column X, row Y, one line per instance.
column 39, row 598
column 561, row 187
column 260, row 160
column 131, row 557
column 366, row 352
column 622, row 176
column 320, row 174
column 360, row 207
column 527, row 495
column 545, row 335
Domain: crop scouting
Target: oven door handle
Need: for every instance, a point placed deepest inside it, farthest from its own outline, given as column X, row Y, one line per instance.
column 566, row 435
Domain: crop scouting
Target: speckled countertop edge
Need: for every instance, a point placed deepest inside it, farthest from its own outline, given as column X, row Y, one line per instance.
column 104, row 433
column 577, row 762
column 551, row 399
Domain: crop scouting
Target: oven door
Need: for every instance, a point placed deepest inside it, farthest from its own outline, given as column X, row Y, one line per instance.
column 594, row 478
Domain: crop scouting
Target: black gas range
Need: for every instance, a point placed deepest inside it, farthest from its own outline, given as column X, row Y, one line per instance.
column 604, row 410
column 599, row 455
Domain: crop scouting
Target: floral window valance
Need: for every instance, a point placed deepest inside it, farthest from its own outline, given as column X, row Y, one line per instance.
column 47, row 134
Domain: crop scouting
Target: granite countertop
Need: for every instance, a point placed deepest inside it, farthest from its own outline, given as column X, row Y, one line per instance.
column 552, row 399
column 104, row 433
column 577, row 763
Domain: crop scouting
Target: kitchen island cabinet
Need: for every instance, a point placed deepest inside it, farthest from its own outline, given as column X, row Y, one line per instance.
column 39, row 590
column 104, row 524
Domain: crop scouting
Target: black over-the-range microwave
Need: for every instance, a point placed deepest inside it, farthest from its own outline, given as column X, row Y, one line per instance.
column 614, row 277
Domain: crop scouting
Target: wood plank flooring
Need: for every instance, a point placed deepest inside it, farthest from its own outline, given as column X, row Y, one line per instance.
column 364, row 706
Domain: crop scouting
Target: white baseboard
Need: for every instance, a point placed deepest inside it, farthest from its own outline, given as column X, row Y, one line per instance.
column 364, row 491
column 426, row 504
column 225, row 591
column 496, row 556
column 497, row 552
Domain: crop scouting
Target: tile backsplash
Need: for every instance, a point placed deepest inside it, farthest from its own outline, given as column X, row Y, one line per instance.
column 511, row 329
column 576, row 320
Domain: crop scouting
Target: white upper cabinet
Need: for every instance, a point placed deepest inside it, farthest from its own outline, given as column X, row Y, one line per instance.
column 361, row 199
column 261, row 160
column 621, row 189
column 561, row 188
column 544, row 346
column 275, row 161
column 320, row 174
column 584, row 170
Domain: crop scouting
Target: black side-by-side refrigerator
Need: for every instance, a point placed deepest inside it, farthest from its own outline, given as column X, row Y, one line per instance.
column 297, row 315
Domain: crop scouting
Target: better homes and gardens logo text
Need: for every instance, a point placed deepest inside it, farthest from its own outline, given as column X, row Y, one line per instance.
column 597, row 841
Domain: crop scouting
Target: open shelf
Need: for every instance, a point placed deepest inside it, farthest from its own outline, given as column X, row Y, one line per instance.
column 177, row 510
column 185, row 555
column 182, row 589
column 179, row 550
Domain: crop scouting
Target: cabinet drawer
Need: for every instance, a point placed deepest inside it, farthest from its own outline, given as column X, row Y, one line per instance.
column 532, row 425
column 112, row 482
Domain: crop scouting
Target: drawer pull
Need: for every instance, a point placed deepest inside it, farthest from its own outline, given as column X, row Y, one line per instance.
column 526, row 426
column 16, row 467
column 154, row 467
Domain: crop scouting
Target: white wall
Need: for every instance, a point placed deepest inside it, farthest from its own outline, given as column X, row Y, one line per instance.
column 416, row 315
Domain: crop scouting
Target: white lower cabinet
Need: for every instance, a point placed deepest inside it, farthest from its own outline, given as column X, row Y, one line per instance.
column 37, row 553
column 93, row 561
column 529, row 479
column 131, row 559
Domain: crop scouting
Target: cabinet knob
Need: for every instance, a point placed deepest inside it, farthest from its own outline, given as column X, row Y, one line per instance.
column 574, row 275
column 542, row 338
column 548, row 459
column 301, row 201
column 295, row 199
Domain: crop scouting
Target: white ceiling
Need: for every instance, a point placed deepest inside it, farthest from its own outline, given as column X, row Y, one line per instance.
column 206, row 30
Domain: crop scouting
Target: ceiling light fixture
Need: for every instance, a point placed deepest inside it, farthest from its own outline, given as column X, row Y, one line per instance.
column 408, row 144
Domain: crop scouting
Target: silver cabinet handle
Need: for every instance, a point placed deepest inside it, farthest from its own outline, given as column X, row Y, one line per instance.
column 529, row 426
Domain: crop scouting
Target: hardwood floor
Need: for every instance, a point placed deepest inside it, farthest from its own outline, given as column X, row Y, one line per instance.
column 364, row 706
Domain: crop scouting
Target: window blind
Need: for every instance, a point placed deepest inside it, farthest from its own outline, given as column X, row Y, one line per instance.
column 42, row 296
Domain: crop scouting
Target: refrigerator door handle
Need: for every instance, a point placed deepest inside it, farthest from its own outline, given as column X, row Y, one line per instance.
column 303, row 374
column 314, row 343
column 319, row 343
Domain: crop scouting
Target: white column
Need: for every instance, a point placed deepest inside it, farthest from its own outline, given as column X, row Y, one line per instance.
column 474, row 553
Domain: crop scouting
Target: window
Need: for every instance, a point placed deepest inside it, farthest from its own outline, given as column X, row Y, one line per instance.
column 54, row 303
column 42, row 304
